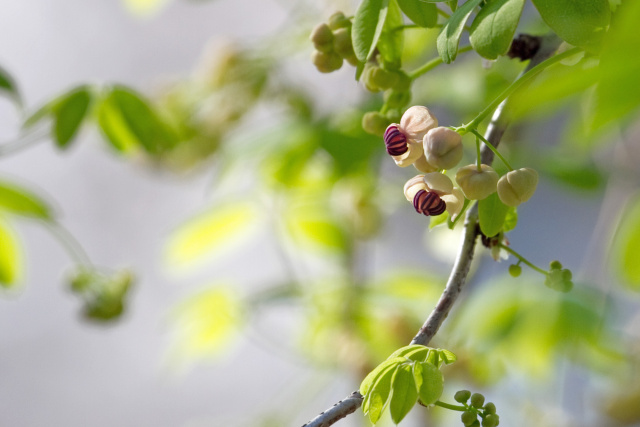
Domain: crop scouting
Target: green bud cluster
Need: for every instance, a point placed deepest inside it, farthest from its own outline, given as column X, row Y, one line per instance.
column 559, row 278
column 475, row 407
column 333, row 44
column 103, row 295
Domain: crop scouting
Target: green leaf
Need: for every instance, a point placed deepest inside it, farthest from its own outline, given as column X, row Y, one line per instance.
column 404, row 393
column 375, row 400
column 413, row 352
column 494, row 26
column 579, row 22
column 510, row 220
column 626, row 246
column 371, row 379
column 216, row 231
column 10, row 257
column 69, row 112
column 431, row 382
column 127, row 119
column 422, row 13
column 492, row 214
column 449, row 37
column 447, row 356
column 618, row 93
column 309, row 225
column 391, row 39
column 367, row 27
column 19, row 201
column 8, row 87
column 438, row 220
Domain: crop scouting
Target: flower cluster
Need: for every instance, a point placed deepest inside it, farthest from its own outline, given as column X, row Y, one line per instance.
column 418, row 140
column 333, row 44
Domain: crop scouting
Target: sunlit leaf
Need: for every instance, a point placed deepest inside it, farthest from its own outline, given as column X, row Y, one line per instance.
column 10, row 257
column 309, row 224
column 391, row 39
column 424, row 14
column 492, row 214
column 510, row 220
column 449, row 37
column 581, row 23
column 69, row 113
column 431, row 383
column 367, row 27
column 373, row 376
column 114, row 127
column 207, row 322
column 404, row 393
column 19, row 201
column 494, row 26
column 211, row 232
column 626, row 246
column 378, row 394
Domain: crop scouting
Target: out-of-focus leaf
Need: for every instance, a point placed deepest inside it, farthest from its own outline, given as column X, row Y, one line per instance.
column 211, row 232
column 449, row 37
column 350, row 152
column 431, row 382
column 618, row 93
column 492, row 214
column 576, row 173
column 310, row 224
column 367, row 27
column 144, row 7
column 581, row 23
column 494, row 27
column 69, row 112
column 422, row 13
column 8, row 87
column 391, row 39
column 626, row 246
column 206, row 323
column 103, row 294
column 20, row 201
column 437, row 220
column 10, row 257
column 404, row 394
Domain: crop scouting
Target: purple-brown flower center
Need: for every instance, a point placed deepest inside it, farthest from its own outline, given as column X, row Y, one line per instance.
column 395, row 141
column 428, row 203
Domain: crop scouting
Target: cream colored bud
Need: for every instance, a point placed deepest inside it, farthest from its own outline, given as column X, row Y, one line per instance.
column 476, row 184
column 455, row 202
column 438, row 183
column 443, row 147
column 407, row 159
column 416, row 122
column 326, row 62
column 414, row 185
column 517, row 186
column 423, row 166
column 322, row 38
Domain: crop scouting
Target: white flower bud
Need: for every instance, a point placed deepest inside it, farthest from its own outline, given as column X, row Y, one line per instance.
column 443, row 147
column 416, row 122
column 414, row 185
column 413, row 153
column 477, row 184
column 438, row 183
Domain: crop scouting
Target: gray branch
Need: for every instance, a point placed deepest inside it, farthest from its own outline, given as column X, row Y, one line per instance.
column 460, row 270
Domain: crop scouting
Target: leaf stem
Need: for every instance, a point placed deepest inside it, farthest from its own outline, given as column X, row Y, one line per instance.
column 491, row 147
column 522, row 259
column 433, row 64
column 450, row 406
column 22, row 142
column 69, row 243
column 473, row 124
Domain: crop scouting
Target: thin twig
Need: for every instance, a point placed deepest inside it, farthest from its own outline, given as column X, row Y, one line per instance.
column 458, row 276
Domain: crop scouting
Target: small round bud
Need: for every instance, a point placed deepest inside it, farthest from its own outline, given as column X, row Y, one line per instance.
column 477, row 184
column 342, row 43
column 376, row 79
column 428, row 203
column 396, row 99
column 490, row 421
column 443, row 147
column 517, row 186
column 490, row 408
column 417, row 121
column 515, row 270
column 326, row 62
column 476, row 423
column 374, row 123
column 477, row 400
column 322, row 38
column 462, row 396
column 403, row 83
column 555, row 265
column 338, row 20
column 395, row 141
column 468, row 417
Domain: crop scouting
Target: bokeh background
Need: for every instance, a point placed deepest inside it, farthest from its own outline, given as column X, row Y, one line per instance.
column 275, row 362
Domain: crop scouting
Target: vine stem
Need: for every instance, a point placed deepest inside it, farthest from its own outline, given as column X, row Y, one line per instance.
column 450, row 406
column 23, row 142
column 433, row 64
column 460, row 269
column 69, row 243
column 492, row 148
column 522, row 259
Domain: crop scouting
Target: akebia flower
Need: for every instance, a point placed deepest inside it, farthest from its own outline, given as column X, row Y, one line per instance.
column 477, row 184
column 404, row 140
column 443, row 147
column 517, row 186
column 432, row 194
